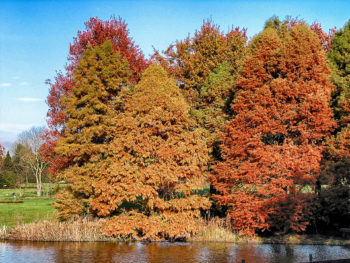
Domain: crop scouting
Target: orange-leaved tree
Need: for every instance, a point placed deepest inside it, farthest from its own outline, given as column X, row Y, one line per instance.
column 272, row 148
column 91, row 109
column 155, row 167
column 96, row 33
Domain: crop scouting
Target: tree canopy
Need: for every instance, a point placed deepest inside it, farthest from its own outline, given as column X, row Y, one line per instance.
column 271, row 148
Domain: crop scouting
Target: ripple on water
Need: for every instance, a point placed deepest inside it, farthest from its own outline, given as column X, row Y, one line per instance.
column 138, row 252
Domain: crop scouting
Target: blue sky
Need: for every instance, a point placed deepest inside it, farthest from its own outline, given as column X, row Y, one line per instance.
column 35, row 37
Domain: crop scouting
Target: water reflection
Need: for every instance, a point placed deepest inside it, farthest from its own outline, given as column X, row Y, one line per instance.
column 28, row 252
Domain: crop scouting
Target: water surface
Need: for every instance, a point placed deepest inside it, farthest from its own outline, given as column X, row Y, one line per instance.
column 194, row 252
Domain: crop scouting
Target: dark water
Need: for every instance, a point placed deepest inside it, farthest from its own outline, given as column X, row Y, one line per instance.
column 30, row 252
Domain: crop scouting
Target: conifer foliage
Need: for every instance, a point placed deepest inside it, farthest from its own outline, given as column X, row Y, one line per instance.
column 91, row 110
column 272, row 148
column 334, row 208
column 156, row 165
column 96, row 33
column 193, row 59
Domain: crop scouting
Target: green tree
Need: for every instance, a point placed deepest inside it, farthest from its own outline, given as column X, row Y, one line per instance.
column 339, row 59
column 334, row 207
column 92, row 109
column 214, row 110
column 7, row 173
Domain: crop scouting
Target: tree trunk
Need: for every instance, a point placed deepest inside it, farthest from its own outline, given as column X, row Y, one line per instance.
column 38, row 188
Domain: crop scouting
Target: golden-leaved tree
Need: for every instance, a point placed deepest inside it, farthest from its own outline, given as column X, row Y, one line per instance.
column 91, row 108
column 148, row 185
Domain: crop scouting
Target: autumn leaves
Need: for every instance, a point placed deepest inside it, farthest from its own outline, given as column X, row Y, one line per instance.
column 248, row 119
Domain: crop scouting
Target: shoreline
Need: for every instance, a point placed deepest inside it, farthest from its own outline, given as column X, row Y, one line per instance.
column 88, row 231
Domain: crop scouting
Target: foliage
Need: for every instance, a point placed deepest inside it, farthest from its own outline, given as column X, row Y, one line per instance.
column 334, row 206
column 192, row 60
column 96, row 33
column 287, row 24
column 156, row 166
column 271, row 148
column 7, row 173
column 92, row 110
column 339, row 56
column 214, row 111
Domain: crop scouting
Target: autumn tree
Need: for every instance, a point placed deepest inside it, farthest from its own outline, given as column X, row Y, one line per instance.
column 91, row 109
column 149, row 181
column 192, row 60
column 96, row 33
column 334, row 199
column 286, row 25
column 272, row 147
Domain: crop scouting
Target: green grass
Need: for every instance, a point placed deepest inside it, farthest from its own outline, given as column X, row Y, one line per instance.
column 33, row 208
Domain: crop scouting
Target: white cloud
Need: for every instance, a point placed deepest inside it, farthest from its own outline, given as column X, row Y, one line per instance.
column 6, row 84
column 24, row 83
column 29, row 99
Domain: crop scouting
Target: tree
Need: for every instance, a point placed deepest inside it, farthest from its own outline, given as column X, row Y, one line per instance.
column 7, row 174
column 338, row 58
column 96, row 33
column 2, row 150
column 20, row 167
column 192, row 60
column 214, row 111
column 287, row 24
column 334, row 206
column 32, row 139
column 91, row 109
column 272, row 148
column 151, row 178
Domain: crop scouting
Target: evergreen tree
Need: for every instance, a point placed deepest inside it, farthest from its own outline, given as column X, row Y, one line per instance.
column 7, row 173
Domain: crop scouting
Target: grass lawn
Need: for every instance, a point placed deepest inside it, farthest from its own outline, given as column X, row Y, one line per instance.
column 33, row 208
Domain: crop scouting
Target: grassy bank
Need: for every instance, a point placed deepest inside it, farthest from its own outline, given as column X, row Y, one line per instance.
column 35, row 219
column 32, row 209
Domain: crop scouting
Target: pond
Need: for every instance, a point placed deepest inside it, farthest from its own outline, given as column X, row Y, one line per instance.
column 30, row 252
